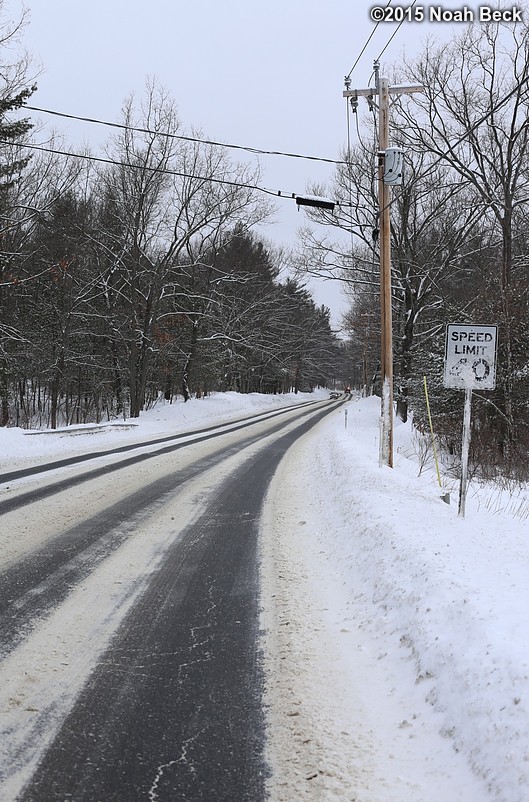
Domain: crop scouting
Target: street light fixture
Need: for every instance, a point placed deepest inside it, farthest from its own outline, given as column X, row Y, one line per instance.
column 315, row 202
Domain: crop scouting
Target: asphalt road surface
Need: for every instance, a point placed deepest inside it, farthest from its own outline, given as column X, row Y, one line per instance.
column 160, row 697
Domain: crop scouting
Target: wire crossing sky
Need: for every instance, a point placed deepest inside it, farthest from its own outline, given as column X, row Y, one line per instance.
column 266, row 76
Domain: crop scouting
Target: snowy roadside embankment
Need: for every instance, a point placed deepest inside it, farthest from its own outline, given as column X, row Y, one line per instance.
column 20, row 447
column 408, row 650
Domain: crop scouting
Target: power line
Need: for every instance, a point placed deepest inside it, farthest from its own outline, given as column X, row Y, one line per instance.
column 395, row 32
column 365, row 46
column 182, row 137
column 241, row 185
column 164, row 171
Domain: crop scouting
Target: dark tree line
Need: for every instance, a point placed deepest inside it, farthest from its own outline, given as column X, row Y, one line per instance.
column 142, row 279
column 95, row 331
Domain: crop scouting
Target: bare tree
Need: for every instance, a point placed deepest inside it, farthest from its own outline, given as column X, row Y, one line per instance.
column 473, row 117
column 430, row 222
column 171, row 198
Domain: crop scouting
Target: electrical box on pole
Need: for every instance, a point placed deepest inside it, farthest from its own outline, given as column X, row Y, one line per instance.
column 393, row 166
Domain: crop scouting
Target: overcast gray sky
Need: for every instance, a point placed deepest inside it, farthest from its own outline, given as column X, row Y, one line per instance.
column 266, row 74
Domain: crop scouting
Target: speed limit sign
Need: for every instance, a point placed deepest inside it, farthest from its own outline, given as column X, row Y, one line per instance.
column 470, row 364
column 470, row 357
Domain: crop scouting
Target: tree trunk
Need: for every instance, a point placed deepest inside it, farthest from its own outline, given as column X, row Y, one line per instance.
column 4, row 413
column 189, row 361
column 56, row 385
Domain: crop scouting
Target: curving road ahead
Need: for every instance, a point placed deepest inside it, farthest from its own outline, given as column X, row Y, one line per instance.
column 129, row 604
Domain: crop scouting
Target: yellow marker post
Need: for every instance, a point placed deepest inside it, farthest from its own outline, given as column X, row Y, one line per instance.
column 432, row 433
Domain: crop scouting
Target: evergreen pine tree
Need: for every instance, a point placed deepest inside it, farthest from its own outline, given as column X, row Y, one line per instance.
column 11, row 133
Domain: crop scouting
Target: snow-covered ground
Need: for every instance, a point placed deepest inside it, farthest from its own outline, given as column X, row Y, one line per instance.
column 19, row 447
column 400, row 630
column 396, row 633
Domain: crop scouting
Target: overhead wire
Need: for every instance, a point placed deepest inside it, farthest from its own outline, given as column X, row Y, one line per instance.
column 369, row 150
column 352, row 109
column 163, row 171
column 187, row 138
column 349, row 175
column 395, row 32
column 365, row 46
column 182, row 137
column 274, row 193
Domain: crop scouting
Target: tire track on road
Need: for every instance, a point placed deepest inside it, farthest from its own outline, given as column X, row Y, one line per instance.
column 174, row 708
column 33, row 586
column 230, row 426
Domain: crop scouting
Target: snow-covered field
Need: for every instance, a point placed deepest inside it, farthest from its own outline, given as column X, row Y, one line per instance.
column 396, row 633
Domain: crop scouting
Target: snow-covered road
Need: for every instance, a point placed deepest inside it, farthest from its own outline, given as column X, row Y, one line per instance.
column 86, row 546
column 395, row 635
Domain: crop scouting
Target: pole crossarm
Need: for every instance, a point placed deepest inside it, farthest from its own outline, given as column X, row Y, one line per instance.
column 360, row 93
column 406, row 90
column 393, row 90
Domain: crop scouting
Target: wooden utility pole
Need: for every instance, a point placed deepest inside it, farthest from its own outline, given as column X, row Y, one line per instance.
column 386, row 317
column 383, row 91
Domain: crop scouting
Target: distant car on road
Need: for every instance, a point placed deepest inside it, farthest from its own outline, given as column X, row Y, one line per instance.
column 334, row 396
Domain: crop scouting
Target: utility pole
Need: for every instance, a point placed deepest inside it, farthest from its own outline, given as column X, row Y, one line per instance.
column 383, row 92
column 386, row 317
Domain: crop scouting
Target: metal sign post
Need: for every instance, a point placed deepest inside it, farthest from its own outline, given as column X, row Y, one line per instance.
column 470, row 364
column 464, row 453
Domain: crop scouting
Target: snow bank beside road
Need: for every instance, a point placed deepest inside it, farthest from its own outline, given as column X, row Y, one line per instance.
column 20, row 447
column 401, row 629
